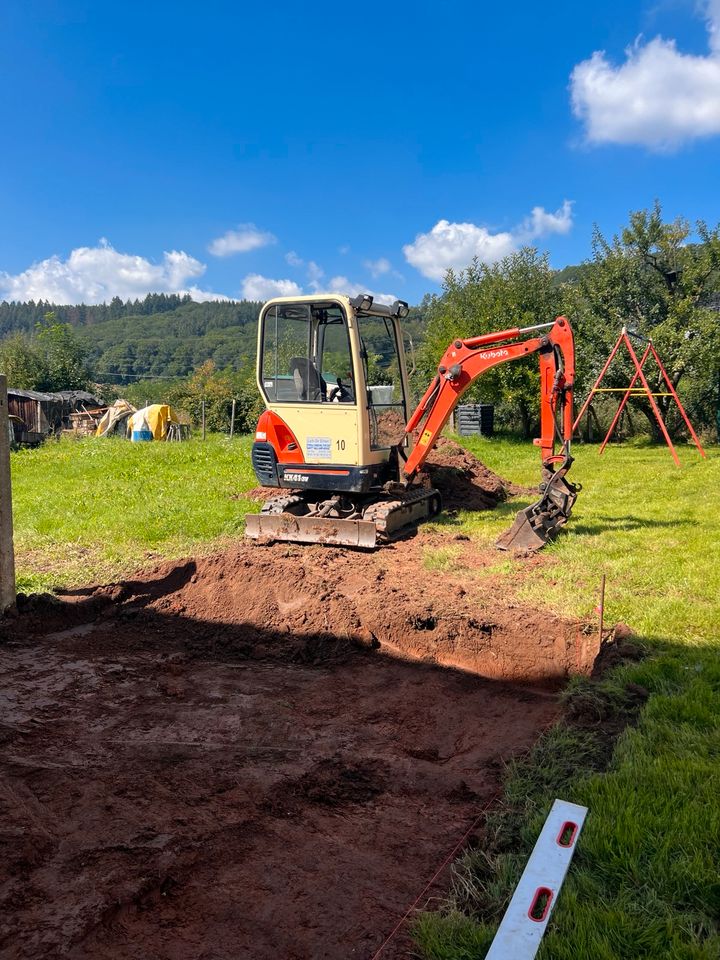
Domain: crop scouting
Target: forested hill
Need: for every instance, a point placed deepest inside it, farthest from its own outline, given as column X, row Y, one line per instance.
column 160, row 336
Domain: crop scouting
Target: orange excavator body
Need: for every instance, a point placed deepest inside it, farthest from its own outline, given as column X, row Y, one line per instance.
column 321, row 430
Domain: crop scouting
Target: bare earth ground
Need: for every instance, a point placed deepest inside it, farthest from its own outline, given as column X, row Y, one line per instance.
column 264, row 753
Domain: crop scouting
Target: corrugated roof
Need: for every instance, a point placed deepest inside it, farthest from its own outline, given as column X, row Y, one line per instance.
column 34, row 395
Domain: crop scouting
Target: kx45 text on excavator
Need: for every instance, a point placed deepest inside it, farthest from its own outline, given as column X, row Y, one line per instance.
column 336, row 430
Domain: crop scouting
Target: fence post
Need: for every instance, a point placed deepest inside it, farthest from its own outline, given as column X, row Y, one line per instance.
column 203, row 419
column 232, row 418
column 7, row 551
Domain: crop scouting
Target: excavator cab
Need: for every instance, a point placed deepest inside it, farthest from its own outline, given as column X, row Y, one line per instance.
column 332, row 373
column 335, row 438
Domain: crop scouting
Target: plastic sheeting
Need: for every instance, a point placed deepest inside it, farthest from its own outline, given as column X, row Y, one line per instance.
column 115, row 418
column 151, row 423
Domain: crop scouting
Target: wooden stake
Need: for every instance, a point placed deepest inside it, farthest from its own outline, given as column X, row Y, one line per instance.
column 232, row 419
column 602, row 606
column 7, row 551
column 203, row 419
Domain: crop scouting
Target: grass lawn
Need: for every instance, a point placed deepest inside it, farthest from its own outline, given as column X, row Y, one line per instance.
column 93, row 510
column 645, row 881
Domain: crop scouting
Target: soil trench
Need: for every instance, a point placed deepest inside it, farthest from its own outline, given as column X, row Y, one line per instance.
column 260, row 754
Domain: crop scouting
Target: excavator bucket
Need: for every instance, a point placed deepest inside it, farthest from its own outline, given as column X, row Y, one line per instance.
column 540, row 523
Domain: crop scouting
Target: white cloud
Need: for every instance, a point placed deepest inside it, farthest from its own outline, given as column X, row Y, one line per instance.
column 378, row 267
column 293, row 259
column 315, row 274
column 257, row 287
column 97, row 274
column 247, row 237
column 540, row 223
column 658, row 98
column 455, row 245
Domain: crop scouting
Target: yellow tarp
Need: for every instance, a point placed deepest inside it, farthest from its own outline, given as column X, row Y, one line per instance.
column 154, row 419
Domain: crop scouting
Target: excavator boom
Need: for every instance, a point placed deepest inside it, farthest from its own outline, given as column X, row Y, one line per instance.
column 466, row 360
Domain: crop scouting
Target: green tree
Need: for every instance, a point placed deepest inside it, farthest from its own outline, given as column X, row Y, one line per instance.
column 653, row 280
column 218, row 389
column 65, row 355
column 22, row 363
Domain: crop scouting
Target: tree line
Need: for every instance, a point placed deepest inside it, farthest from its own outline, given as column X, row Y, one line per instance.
column 658, row 277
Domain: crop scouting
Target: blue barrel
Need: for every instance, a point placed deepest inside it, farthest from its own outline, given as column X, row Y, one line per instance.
column 141, row 432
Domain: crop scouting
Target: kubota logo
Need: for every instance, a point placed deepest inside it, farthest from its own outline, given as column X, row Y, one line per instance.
column 492, row 354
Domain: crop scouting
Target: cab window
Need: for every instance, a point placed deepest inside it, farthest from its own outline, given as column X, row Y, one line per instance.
column 306, row 354
column 386, row 397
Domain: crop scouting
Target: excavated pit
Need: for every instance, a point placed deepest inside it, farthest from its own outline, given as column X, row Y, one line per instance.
column 264, row 753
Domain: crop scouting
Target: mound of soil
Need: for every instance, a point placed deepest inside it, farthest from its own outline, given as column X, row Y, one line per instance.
column 314, row 604
column 464, row 481
column 225, row 762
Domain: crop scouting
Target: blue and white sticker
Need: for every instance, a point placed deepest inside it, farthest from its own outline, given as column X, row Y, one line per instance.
column 319, row 448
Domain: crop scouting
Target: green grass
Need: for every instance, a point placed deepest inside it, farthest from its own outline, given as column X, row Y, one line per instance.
column 645, row 879
column 652, row 529
column 645, row 882
column 95, row 509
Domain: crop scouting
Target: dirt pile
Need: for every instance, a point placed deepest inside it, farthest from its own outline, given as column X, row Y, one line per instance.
column 262, row 753
column 316, row 604
column 214, row 768
column 464, row 481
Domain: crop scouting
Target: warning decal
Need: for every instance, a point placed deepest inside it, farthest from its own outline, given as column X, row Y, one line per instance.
column 425, row 438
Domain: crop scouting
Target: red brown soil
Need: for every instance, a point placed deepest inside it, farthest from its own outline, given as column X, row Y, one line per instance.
column 265, row 753
column 464, row 481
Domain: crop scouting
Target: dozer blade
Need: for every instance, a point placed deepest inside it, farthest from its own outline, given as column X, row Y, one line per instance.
column 540, row 523
column 326, row 530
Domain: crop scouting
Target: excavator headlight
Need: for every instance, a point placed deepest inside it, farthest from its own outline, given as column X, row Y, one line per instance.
column 362, row 302
column 400, row 309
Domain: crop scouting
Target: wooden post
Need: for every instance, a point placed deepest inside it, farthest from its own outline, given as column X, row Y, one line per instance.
column 7, row 551
column 203, row 419
column 232, row 418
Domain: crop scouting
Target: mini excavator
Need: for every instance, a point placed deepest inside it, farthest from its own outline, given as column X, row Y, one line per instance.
column 336, row 437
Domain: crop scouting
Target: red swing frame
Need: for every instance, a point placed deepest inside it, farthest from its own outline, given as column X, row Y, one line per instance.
column 644, row 390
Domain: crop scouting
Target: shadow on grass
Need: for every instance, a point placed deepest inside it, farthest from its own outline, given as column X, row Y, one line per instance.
column 628, row 522
column 659, row 783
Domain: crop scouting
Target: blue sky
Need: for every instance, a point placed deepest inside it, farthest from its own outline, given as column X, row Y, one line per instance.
column 232, row 148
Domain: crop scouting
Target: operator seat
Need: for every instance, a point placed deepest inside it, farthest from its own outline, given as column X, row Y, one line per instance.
column 308, row 382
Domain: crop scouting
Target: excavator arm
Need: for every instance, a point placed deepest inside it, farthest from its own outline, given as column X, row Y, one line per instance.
column 466, row 360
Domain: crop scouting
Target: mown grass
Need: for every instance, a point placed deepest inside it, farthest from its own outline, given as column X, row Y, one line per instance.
column 652, row 529
column 645, row 882
column 95, row 509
